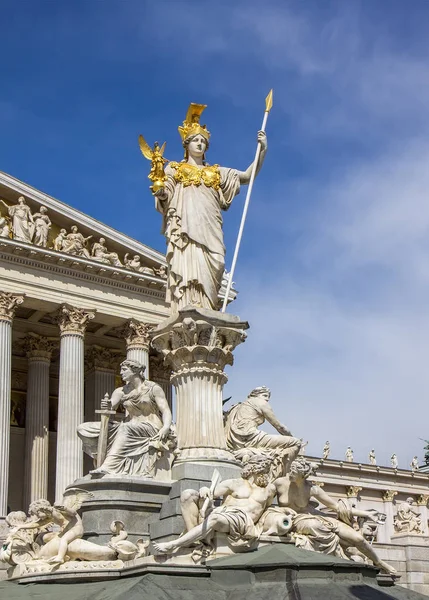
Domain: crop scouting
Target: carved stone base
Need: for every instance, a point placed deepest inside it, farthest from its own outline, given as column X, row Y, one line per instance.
column 77, row 570
column 136, row 502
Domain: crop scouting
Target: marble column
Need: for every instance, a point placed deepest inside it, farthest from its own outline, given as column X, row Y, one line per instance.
column 8, row 304
column 161, row 375
column 72, row 323
column 422, row 503
column 385, row 532
column 39, row 351
column 137, row 339
column 197, row 344
column 101, row 365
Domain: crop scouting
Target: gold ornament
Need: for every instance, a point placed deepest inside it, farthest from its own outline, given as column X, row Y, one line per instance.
column 155, row 154
column 191, row 125
column 188, row 174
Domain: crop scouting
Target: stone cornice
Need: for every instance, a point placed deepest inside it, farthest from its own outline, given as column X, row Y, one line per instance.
column 8, row 304
column 80, row 218
column 81, row 268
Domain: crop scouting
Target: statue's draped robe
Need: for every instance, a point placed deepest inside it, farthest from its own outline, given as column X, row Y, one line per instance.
column 21, row 225
column 128, row 442
column 192, row 224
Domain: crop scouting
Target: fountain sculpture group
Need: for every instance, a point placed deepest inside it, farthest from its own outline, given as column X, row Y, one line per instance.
column 143, row 501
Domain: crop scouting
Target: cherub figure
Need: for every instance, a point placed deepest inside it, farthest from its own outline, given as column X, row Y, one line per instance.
column 65, row 516
column 156, row 175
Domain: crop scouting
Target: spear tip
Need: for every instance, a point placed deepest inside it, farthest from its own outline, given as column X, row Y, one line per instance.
column 269, row 101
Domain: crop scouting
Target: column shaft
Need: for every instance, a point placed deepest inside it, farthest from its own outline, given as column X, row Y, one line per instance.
column 98, row 382
column 5, row 387
column 37, row 430
column 70, row 412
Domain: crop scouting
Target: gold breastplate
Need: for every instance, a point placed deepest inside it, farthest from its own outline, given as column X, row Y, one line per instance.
column 191, row 175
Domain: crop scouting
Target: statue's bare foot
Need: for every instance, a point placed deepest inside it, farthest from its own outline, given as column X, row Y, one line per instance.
column 165, row 548
column 100, row 472
column 386, row 567
column 55, row 560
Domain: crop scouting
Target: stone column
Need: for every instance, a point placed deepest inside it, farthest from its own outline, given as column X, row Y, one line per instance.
column 137, row 338
column 39, row 351
column 100, row 369
column 385, row 532
column 422, row 503
column 8, row 304
column 161, row 375
column 197, row 344
column 72, row 323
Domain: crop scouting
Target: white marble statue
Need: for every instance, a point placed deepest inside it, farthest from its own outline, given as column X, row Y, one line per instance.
column 242, row 433
column 135, row 265
column 191, row 202
column 406, row 519
column 42, row 224
column 244, row 500
column 145, row 432
column 53, row 535
column 59, row 240
column 372, row 458
column 394, row 461
column 326, row 450
column 4, row 227
column 349, row 454
column 312, row 529
column 100, row 253
column 22, row 220
column 75, row 243
column 414, row 464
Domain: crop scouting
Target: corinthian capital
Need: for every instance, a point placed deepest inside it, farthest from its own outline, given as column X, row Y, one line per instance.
column 72, row 320
column 37, row 346
column 388, row 495
column 352, row 491
column 97, row 357
column 8, row 304
column 137, row 334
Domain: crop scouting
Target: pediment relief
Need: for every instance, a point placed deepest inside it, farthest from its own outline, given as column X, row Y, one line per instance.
column 51, row 225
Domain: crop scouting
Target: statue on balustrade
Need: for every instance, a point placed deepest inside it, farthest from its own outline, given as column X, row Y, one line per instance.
column 22, row 220
column 406, row 519
column 243, row 436
column 244, row 501
column 191, row 200
column 326, row 450
column 143, row 443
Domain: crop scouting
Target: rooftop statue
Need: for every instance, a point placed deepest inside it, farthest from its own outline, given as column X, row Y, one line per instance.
column 190, row 195
column 22, row 220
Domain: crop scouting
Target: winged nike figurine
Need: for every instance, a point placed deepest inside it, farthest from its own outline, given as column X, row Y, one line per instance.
column 155, row 154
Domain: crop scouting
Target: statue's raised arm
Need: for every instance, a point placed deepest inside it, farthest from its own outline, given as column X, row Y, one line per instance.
column 191, row 200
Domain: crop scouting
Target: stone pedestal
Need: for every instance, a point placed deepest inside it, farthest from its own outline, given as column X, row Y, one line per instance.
column 135, row 501
column 197, row 344
column 8, row 304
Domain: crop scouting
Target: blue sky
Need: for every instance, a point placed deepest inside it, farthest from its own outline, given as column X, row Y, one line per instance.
column 334, row 268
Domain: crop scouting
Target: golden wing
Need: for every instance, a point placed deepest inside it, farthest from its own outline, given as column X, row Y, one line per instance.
column 162, row 148
column 145, row 148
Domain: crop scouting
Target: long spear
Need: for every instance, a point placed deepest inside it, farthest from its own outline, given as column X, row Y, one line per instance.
column 268, row 106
